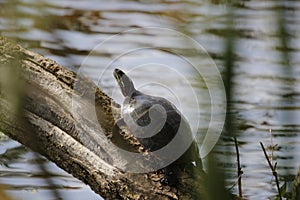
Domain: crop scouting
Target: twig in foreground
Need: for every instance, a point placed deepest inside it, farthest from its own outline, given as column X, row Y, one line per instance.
column 273, row 168
column 240, row 171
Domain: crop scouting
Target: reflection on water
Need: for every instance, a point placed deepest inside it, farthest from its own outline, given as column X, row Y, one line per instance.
column 23, row 178
column 266, row 92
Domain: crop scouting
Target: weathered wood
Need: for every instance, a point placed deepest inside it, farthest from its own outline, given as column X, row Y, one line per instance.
column 57, row 121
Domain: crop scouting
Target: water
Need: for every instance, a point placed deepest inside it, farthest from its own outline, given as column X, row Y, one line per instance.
column 92, row 37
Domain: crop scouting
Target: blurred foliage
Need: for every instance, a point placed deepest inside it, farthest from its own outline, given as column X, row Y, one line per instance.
column 216, row 180
column 3, row 194
column 12, row 88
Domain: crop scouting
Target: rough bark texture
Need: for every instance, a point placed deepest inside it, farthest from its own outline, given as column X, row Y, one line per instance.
column 54, row 122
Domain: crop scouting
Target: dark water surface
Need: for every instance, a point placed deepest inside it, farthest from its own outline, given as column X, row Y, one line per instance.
column 157, row 42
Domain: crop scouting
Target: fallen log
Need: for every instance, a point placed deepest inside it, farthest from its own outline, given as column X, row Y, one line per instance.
column 68, row 119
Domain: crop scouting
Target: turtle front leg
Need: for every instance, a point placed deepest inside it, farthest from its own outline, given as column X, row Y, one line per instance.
column 116, row 127
column 116, row 130
column 170, row 177
column 118, row 139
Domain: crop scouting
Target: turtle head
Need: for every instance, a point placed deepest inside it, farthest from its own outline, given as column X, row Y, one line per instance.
column 124, row 82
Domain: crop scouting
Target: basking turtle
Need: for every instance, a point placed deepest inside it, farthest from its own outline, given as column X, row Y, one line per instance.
column 156, row 123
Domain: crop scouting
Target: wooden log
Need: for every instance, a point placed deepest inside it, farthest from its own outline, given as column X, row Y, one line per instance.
column 68, row 119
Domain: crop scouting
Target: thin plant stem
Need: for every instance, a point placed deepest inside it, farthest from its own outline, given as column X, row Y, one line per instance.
column 273, row 168
column 239, row 170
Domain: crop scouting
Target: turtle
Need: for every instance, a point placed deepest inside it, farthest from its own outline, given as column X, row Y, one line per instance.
column 155, row 121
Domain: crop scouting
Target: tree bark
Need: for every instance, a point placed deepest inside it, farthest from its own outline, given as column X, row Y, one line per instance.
column 57, row 121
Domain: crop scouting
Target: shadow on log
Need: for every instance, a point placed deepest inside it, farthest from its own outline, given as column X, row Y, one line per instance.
column 68, row 119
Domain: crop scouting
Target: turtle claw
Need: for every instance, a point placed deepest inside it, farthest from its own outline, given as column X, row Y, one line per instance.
column 169, row 179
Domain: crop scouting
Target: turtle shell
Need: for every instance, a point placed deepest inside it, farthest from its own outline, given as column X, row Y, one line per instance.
column 159, row 127
column 155, row 122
